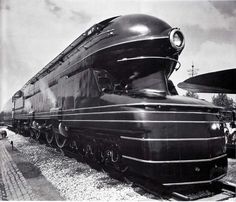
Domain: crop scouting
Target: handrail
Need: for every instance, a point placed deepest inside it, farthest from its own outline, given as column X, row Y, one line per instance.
column 151, row 57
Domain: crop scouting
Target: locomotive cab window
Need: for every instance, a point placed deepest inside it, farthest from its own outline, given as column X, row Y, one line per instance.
column 156, row 81
column 18, row 100
column 144, row 74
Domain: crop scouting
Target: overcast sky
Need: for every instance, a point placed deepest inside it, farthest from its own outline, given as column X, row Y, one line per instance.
column 33, row 32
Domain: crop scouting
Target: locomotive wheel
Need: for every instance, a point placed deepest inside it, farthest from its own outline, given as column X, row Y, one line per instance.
column 61, row 140
column 60, row 136
column 112, row 157
column 32, row 133
column 49, row 137
column 121, row 167
column 89, row 153
column 21, row 130
column 26, row 133
column 234, row 138
column 38, row 134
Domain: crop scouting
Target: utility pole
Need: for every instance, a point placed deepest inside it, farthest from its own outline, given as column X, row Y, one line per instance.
column 192, row 72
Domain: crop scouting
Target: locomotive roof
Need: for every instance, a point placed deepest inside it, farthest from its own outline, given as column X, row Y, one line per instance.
column 86, row 35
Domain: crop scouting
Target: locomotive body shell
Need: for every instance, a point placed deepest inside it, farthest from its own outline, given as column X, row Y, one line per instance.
column 172, row 139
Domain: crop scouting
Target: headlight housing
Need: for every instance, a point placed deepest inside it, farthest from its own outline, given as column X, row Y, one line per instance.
column 176, row 39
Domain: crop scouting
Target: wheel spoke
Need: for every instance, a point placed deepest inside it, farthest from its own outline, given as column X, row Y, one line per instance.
column 38, row 135
column 49, row 137
column 60, row 140
column 32, row 133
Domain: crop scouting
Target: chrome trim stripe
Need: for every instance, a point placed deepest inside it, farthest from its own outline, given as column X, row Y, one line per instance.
column 171, row 139
column 135, row 104
column 194, row 182
column 150, row 57
column 147, row 57
column 136, row 121
column 173, row 161
column 127, row 112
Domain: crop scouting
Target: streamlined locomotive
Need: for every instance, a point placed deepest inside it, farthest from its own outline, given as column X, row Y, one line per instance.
column 108, row 96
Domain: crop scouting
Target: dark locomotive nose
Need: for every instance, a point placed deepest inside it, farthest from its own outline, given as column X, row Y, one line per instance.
column 134, row 42
column 144, row 27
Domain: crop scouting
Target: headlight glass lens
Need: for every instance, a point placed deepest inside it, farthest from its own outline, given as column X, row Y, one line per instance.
column 176, row 39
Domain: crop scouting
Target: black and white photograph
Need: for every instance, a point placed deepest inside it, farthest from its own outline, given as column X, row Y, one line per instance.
column 117, row 100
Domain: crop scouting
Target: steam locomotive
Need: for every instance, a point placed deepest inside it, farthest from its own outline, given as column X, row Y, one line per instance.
column 108, row 96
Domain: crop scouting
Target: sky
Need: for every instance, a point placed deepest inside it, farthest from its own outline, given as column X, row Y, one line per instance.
column 33, row 32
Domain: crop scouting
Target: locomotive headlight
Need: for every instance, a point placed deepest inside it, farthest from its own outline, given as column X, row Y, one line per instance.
column 215, row 126
column 176, row 39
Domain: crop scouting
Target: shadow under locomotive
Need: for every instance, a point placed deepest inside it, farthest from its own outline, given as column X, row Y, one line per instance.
column 108, row 96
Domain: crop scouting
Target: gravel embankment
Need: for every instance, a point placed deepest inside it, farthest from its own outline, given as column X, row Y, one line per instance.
column 231, row 175
column 73, row 179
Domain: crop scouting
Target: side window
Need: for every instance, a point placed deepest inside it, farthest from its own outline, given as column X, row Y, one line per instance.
column 85, row 87
column 69, row 93
column 19, row 103
column 18, row 99
column 65, row 92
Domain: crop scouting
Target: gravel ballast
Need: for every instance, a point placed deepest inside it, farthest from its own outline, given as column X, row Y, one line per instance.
column 75, row 180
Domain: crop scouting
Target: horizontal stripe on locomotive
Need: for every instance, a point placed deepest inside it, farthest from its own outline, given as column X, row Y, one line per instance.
column 194, row 182
column 122, row 112
column 140, row 104
column 171, row 139
column 136, row 121
column 46, row 114
column 174, row 161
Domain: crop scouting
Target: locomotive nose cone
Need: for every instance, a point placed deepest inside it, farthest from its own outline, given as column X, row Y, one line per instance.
column 135, row 25
column 140, row 29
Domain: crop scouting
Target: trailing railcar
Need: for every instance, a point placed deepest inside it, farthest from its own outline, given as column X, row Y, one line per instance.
column 109, row 97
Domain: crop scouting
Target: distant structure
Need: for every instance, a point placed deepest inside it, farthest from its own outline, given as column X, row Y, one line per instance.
column 192, row 72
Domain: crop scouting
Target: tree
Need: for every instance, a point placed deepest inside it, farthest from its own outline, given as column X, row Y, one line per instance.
column 1, row 116
column 191, row 94
column 223, row 100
